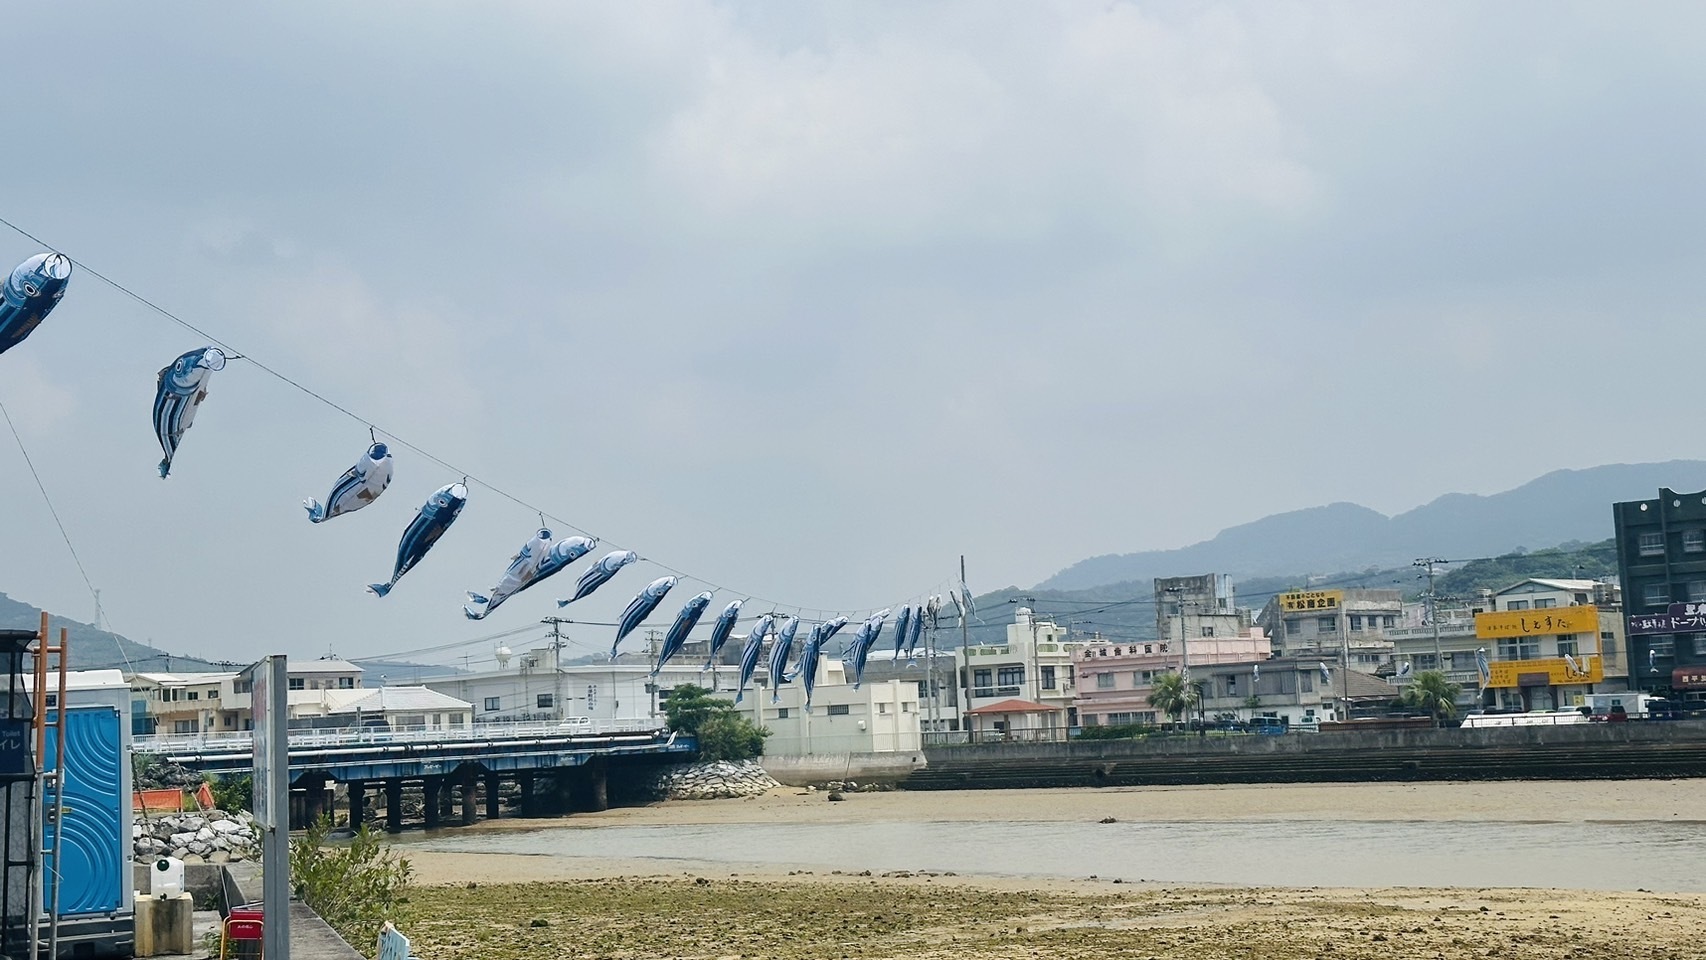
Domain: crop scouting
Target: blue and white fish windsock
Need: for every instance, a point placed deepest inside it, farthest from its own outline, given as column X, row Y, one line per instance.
column 959, row 605
column 537, row 559
column 902, row 623
column 806, row 670
column 600, row 573
column 182, row 388
column 640, row 608
column 359, row 486
column 830, row 629
column 749, row 653
column 435, row 516
column 863, row 641
column 685, row 621
column 1326, row 674
column 30, row 294
column 720, row 631
column 779, row 657
column 912, row 636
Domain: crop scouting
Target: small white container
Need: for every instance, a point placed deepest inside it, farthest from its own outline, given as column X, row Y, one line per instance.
column 166, row 877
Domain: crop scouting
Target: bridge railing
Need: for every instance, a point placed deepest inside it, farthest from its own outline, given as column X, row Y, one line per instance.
column 242, row 740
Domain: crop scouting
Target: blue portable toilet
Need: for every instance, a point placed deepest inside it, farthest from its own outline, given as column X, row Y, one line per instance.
column 96, row 884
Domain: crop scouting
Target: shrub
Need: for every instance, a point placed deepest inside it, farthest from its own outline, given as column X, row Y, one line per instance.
column 354, row 887
column 1123, row 731
column 232, row 793
column 722, row 733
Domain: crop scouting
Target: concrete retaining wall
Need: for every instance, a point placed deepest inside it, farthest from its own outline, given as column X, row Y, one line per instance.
column 817, row 769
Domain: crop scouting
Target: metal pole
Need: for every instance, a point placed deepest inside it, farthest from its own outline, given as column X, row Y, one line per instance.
column 275, row 844
column 1345, row 663
column 965, row 647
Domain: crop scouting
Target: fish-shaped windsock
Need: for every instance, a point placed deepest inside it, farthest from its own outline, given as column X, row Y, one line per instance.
column 912, row 636
column 720, row 631
column 600, row 573
column 807, row 668
column 685, row 621
column 640, row 608
column 30, row 294
column 902, row 623
column 779, row 657
column 537, row 559
column 435, row 516
column 359, row 486
column 862, row 644
column 830, row 629
column 182, row 388
column 749, row 653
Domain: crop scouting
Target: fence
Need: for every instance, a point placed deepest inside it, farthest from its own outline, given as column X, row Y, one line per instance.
column 241, row 740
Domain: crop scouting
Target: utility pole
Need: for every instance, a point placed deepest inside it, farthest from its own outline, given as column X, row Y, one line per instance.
column 557, row 662
column 1433, row 606
column 652, row 638
column 965, row 646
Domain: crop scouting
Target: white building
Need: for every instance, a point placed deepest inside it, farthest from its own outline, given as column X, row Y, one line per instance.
column 1034, row 668
column 882, row 716
column 403, row 708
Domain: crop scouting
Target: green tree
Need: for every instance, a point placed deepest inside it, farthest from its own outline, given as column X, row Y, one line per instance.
column 232, row 792
column 1432, row 693
column 354, row 887
column 722, row 733
column 1172, row 695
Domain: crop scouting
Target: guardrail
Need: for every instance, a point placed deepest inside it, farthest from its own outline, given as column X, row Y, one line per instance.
column 240, row 740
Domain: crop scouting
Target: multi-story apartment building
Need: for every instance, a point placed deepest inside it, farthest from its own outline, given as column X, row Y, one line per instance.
column 1359, row 619
column 1293, row 689
column 1201, row 606
column 1115, row 679
column 1029, row 677
column 1661, row 562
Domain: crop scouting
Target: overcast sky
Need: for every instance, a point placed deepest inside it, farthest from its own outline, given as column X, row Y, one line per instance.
column 807, row 300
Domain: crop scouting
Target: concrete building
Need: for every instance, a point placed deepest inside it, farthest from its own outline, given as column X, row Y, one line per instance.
column 1114, row 679
column 1556, row 651
column 1359, row 620
column 218, row 702
column 1661, row 564
column 536, row 685
column 882, row 716
column 1292, row 689
column 1201, row 606
column 931, row 674
column 403, row 708
column 1034, row 665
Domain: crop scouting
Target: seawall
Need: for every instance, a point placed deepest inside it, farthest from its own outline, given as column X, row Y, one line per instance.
column 1603, row 751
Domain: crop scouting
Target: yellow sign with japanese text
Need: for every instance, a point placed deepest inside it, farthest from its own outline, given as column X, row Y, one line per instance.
column 1304, row 601
column 1537, row 623
column 1557, row 671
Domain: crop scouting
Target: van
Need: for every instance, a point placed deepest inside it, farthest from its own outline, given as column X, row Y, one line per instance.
column 575, row 725
column 1307, row 725
column 1269, row 726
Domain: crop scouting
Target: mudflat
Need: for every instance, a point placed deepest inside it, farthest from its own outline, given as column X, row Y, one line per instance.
column 491, row 905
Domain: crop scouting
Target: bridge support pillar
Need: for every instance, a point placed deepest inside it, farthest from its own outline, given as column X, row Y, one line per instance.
column 588, row 788
column 525, row 782
column 394, row 805
column 357, row 803
column 318, row 800
column 430, row 788
column 470, row 797
column 494, row 801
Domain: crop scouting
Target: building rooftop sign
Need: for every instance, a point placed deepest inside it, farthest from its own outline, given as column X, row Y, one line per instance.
column 1527, row 623
column 1682, row 618
column 1302, row 601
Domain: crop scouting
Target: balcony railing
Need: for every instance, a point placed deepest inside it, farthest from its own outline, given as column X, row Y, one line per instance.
column 242, row 740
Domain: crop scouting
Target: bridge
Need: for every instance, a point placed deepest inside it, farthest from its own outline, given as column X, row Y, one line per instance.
column 446, row 766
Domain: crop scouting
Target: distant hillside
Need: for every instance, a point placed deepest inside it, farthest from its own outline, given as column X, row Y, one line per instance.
column 1563, row 506
column 94, row 648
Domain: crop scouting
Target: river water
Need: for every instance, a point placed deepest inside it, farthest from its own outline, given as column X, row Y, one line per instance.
column 1606, row 855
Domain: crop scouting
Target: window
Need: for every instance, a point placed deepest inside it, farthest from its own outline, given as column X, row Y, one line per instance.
column 982, row 678
column 882, row 708
column 346, row 683
column 838, row 710
column 1651, row 545
column 1048, row 678
column 183, row 726
column 1655, row 594
column 1519, row 648
column 195, row 694
column 545, row 701
column 1463, row 660
column 1516, row 604
column 492, row 704
column 1662, row 644
column 1208, row 631
column 1544, row 603
column 1010, row 676
column 1291, row 627
column 1326, row 624
column 1425, row 661
column 213, row 694
column 457, row 719
column 295, row 683
column 1696, row 590
column 923, row 689
column 1356, row 623
column 781, row 713
column 1232, row 686
column 1389, row 621
column 1104, row 681
column 1567, row 645
column 1694, row 541
column 1306, row 680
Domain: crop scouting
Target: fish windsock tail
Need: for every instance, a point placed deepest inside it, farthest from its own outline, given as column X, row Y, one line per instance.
column 476, row 598
column 473, row 614
column 379, row 589
column 706, row 667
column 562, row 603
column 165, row 468
column 740, row 696
column 316, row 513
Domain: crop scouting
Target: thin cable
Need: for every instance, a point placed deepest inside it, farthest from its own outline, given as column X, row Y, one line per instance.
column 340, row 408
column 94, row 594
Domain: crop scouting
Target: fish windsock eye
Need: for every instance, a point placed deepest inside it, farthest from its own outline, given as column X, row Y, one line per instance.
column 30, row 289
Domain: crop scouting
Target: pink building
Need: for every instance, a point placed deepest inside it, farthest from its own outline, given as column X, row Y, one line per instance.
column 1114, row 679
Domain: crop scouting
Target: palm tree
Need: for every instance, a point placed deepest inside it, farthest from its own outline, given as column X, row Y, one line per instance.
column 1172, row 695
column 1432, row 693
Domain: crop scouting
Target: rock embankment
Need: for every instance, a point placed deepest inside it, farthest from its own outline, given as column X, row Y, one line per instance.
column 712, row 781
column 212, row 836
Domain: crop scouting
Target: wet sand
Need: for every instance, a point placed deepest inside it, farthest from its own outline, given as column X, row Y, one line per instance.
column 509, row 905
